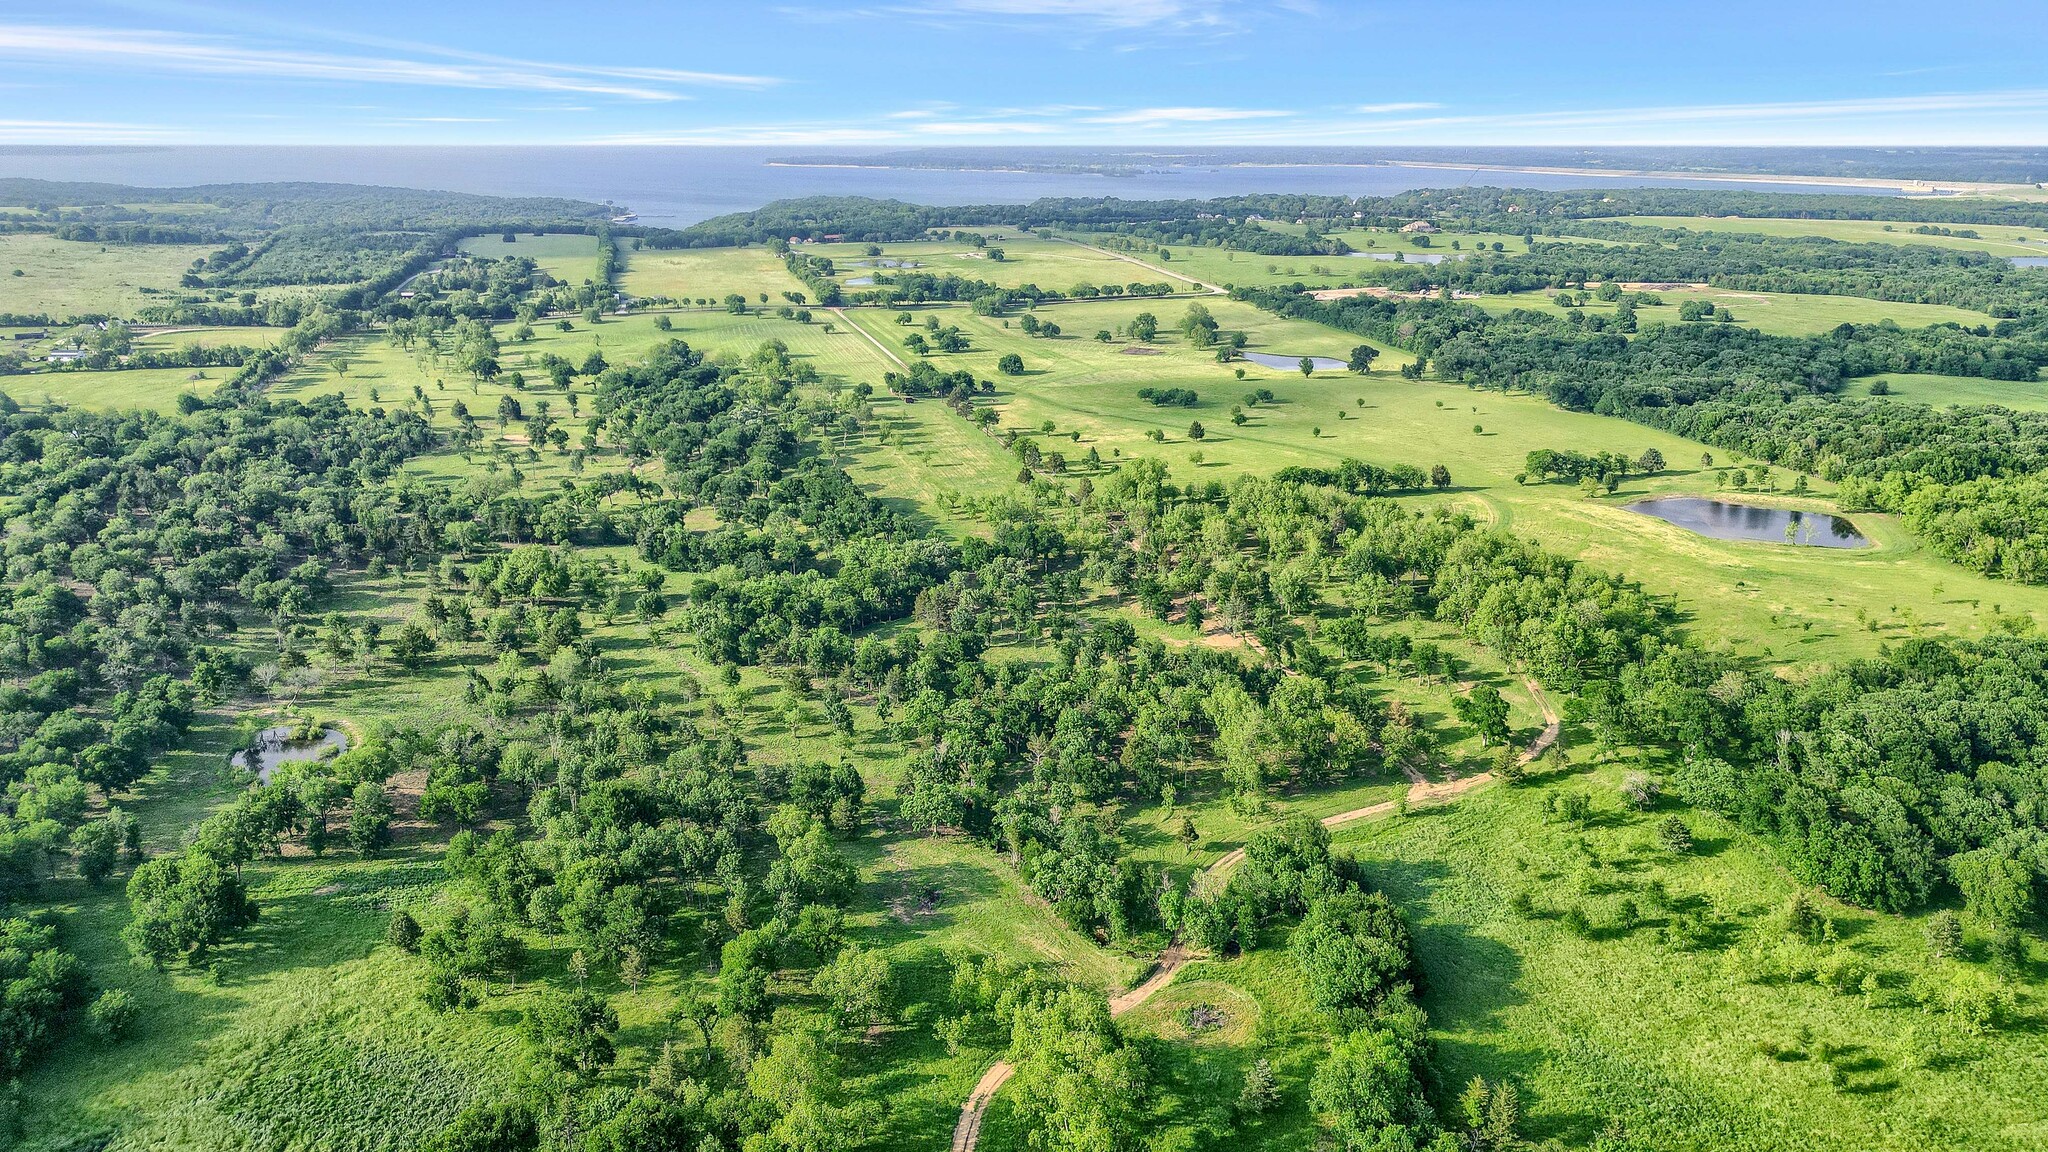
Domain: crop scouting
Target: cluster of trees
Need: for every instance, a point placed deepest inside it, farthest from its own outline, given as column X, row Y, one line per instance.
column 1546, row 464
column 1170, row 397
column 1886, row 781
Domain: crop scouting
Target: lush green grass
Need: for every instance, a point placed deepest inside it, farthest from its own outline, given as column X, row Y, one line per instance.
column 1668, row 1041
column 306, row 1032
column 1998, row 239
column 1051, row 264
column 1927, row 388
column 153, row 388
column 570, row 257
column 707, row 273
column 206, row 336
column 64, row 278
column 1779, row 313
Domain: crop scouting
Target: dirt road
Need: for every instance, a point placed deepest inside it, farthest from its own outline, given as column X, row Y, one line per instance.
column 1176, row 956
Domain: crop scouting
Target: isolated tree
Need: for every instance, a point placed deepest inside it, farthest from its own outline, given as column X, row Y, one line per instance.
column 573, row 1030
column 859, row 984
column 1650, row 462
column 1945, row 934
column 404, row 932
column 1439, row 477
column 369, row 818
column 1308, row 366
column 96, row 848
column 183, row 905
column 1362, row 358
column 1011, row 364
column 1261, row 1090
column 1486, row 711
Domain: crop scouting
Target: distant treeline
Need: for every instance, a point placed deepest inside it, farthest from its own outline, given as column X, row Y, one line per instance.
column 875, row 221
column 1227, row 220
column 254, row 208
column 1977, row 165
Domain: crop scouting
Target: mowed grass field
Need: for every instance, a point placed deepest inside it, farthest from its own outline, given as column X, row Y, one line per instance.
column 1055, row 265
column 65, row 278
column 155, row 389
column 1929, row 388
column 1778, row 313
column 1997, row 239
column 707, row 273
column 570, row 257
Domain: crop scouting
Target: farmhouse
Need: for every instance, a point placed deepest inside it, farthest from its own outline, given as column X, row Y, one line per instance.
column 1418, row 226
column 66, row 356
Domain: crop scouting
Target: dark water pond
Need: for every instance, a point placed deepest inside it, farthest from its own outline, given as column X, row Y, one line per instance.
column 1720, row 520
column 1292, row 363
column 274, row 747
column 2030, row 261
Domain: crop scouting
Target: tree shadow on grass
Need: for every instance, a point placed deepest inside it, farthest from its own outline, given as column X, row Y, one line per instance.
column 926, row 898
column 1467, row 979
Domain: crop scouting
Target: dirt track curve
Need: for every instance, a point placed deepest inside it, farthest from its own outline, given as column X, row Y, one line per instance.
column 968, row 1131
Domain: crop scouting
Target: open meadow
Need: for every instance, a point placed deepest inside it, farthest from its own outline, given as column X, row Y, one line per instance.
column 1997, row 239
column 42, row 275
column 1778, row 313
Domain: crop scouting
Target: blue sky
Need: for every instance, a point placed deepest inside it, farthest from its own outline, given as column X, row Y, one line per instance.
column 884, row 74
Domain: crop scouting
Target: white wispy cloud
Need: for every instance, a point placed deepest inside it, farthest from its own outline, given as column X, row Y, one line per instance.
column 1383, row 109
column 1184, row 116
column 177, row 51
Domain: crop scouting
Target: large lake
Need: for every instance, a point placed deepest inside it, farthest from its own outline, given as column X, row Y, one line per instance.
column 674, row 186
column 1721, row 520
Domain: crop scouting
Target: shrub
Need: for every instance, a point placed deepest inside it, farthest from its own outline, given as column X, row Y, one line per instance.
column 112, row 1015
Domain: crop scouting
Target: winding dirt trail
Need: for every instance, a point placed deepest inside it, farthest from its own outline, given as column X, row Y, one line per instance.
column 1421, row 792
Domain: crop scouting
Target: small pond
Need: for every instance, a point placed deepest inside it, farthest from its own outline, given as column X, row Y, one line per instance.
column 274, row 746
column 1292, row 363
column 883, row 263
column 859, row 281
column 1720, row 520
column 2030, row 261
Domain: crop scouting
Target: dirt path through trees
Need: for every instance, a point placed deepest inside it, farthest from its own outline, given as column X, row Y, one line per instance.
column 968, row 1131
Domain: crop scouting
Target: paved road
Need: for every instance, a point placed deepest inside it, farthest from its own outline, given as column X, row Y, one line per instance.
column 968, row 1131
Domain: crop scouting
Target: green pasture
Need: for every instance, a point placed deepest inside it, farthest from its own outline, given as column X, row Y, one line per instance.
column 1928, row 388
column 707, row 273
column 65, row 278
column 570, row 257
column 1997, row 239
column 1733, row 1045
column 1778, row 313
column 1055, row 265
column 1764, row 598
column 152, row 388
